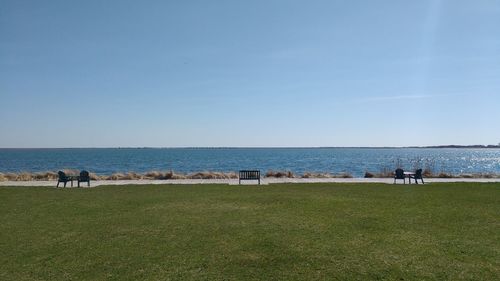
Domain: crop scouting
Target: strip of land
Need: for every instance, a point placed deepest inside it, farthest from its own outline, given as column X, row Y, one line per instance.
column 264, row 181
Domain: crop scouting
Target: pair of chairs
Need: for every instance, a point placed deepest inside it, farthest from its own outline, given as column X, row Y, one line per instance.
column 83, row 177
column 399, row 174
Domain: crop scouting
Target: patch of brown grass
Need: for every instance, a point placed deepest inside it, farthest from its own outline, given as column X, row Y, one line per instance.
column 24, row 176
column 445, row 175
column 132, row 176
column 212, row 175
column 308, row 175
column 279, row 174
column 479, row 176
column 171, row 175
column 153, row 175
column 115, row 176
column 95, row 177
column 11, row 176
column 344, row 175
column 382, row 174
column 45, row 176
column 427, row 172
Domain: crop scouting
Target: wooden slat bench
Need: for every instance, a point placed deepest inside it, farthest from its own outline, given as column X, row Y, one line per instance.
column 249, row 175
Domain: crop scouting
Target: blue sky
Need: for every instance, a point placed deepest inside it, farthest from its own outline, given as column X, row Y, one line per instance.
column 249, row 73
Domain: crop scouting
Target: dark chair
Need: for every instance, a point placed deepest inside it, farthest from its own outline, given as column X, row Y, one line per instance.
column 84, row 177
column 399, row 174
column 418, row 175
column 64, row 178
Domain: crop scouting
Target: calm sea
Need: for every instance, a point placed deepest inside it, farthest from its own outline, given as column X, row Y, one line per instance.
column 299, row 160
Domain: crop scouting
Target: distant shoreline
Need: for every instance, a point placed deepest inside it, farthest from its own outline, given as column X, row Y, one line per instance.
column 268, row 147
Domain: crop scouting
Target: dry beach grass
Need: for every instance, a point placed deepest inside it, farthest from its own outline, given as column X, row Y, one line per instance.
column 171, row 175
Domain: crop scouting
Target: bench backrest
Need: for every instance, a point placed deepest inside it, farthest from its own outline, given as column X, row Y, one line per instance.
column 418, row 174
column 62, row 176
column 400, row 174
column 84, row 176
column 250, row 175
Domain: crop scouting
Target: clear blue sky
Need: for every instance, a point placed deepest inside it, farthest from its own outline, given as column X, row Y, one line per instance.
column 249, row 73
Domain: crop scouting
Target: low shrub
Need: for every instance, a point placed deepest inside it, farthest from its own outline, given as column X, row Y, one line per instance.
column 445, row 175
column 212, row 175
column 308, row 175
column 344, row 175
column 279, row 174
column 132, row 176
column 369, row 175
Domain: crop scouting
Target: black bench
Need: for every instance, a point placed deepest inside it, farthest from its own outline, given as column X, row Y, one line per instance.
column 249, row 175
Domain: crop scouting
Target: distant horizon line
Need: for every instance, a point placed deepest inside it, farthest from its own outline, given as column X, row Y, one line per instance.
column 261, row 147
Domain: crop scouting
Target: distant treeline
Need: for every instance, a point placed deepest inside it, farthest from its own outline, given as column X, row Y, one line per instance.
column 459, row 146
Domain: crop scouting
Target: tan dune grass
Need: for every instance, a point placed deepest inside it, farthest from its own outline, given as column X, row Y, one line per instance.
column 279, row 174
column 212, row 175
column 132, row 176
column 171, row 175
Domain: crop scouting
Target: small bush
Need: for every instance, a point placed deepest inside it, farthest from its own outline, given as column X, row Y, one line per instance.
column 445, row 175
column 427, row 172
column 115, row 176
column 11, row 176
column 212, row 175
column 153, row 175
column 173, row 176
column 45, row 176
column 369, row 175
column 344, row 175
column 308, row 175
column 279, row 174
column 24, row 176
column 132, row 176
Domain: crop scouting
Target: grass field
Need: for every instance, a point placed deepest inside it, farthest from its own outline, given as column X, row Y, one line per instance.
column 276, row 232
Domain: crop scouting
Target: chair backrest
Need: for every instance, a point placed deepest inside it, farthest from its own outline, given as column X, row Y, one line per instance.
column 400, row 174
column 62, row 175
column 418, row 173
column 84, row 175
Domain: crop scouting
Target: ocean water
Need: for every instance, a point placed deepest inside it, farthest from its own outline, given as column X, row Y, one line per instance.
column 355, row 161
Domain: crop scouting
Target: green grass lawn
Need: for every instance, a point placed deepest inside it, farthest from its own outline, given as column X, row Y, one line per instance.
column 276, row 232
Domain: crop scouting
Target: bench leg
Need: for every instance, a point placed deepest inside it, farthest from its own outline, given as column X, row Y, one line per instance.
column 88, row 183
